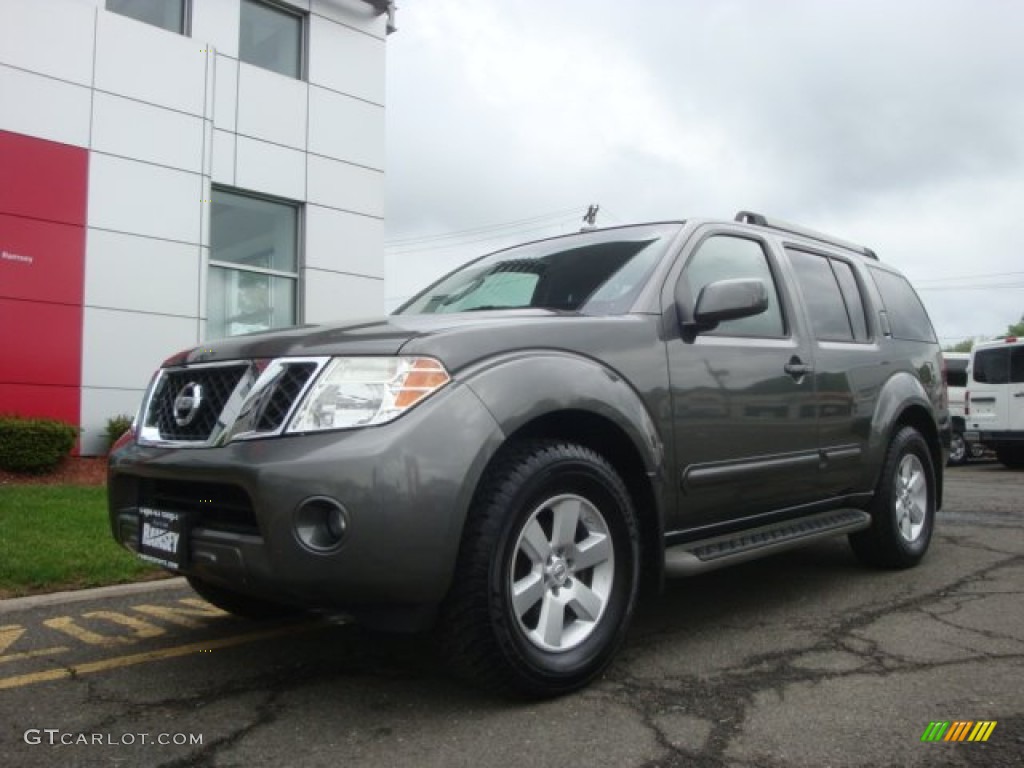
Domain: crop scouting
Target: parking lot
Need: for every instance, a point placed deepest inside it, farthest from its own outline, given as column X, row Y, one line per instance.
column 804, row 659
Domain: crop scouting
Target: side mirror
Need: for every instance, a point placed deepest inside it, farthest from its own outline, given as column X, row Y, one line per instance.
column 729, row 300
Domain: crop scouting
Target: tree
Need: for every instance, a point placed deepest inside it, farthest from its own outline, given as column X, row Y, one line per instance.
column 1017, row 329
column 961, row 346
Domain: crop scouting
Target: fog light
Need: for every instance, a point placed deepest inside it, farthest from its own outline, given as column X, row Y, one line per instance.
column 321, row 524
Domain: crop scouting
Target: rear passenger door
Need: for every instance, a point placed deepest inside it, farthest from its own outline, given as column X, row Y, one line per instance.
column 846, row 364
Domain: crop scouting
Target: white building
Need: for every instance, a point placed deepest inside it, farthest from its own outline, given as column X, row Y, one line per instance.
column 175, row 171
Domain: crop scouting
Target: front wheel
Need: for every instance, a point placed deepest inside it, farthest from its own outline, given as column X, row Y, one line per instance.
column 547, row 575
column 903, row 509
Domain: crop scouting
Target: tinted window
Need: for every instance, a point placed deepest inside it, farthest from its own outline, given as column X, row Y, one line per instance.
column 1017, row 365
column 907, row 316
column 822, row 296
column 271, row 38
column 854, row 301
column 992, row 366
column 956, row 372
column 727, row 258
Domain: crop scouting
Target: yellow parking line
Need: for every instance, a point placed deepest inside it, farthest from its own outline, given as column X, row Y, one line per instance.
column 60, row 673
column 32, row 654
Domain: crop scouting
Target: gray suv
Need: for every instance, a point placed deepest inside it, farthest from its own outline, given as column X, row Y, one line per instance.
column 521, row 448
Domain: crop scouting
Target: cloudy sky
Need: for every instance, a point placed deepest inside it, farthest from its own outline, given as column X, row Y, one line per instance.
column 899, row 125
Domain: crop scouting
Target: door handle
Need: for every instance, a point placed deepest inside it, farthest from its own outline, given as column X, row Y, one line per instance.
column 1019, row 394
column 797, row 367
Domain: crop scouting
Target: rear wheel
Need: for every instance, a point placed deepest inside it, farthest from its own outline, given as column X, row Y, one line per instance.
column 903, row 509
column 547, row 575
column 1011, row 458
column 240, row 604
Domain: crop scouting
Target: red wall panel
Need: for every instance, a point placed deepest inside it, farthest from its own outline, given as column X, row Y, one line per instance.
column 41, row 260
column 42, row 179
column 43, row 190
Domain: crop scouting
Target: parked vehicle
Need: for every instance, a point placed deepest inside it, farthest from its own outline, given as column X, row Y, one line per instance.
column 525, row 444
column 995, row 399
column 960, row 449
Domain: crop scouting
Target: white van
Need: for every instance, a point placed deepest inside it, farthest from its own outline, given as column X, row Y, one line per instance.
column 995, row 399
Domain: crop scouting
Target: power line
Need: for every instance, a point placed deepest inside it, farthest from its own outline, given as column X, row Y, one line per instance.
column 966, row 277
column 404, row 241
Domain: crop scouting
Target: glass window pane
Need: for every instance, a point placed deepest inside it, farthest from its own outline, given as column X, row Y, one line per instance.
column 166, row 14
column 726, row 258
column 271, row 38
column 992, row 366
column 245, row 302
column 253, row 232
column 854, row 301
column 822, row 296
column 907, row 315
column 1016, row 365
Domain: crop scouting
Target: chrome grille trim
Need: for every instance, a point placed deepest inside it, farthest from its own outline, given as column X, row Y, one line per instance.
column 260, row 405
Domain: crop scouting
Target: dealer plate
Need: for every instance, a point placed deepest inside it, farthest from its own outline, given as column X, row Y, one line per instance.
column 163, row 537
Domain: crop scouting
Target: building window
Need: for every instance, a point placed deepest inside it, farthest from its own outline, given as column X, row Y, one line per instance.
column 254, row 265
column 171, row 15
column 271, row 37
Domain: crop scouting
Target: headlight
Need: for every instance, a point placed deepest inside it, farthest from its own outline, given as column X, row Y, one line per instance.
column 363, row 391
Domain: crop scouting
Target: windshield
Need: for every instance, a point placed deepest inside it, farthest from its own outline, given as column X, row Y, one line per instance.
column 597, row 273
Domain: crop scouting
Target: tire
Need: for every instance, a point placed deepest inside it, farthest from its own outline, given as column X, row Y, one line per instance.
column 553, row 523
column 903, row 508
column 1011, row 458
column 239, row 604
column 958, row 450
column 975, row 451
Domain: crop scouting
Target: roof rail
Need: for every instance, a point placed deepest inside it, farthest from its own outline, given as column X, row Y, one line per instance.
column 749, row 217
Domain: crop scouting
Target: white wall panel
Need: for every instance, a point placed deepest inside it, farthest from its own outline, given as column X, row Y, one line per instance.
column 345, row 128
column 216, row 22
column 269, row 168
column 353, row 13
column 344, row 242
column 225, row 97
column 54, row 38
column 97, row 406
column 330, row 296
column 140, row 273
column 345, row 60
column 151, row 64
column 58, row 111
column 340, row 185
column 140, row 131
column 135, row 197
column 223, row 158
column 272, row 107
column 122, row 349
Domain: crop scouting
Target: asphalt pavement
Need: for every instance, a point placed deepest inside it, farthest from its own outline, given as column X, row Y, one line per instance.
column 804, row 659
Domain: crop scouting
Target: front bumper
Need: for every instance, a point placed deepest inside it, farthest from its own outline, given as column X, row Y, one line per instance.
column 405, row 487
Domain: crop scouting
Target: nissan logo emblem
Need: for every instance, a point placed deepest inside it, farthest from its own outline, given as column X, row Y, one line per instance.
column 187, row 403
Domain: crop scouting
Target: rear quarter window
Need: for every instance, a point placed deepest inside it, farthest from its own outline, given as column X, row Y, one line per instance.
column 907, row 316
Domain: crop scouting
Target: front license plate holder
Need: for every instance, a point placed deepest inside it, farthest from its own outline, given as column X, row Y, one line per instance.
column 163, row 537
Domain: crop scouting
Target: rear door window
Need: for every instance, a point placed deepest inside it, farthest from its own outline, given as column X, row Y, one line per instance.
column 992, row 366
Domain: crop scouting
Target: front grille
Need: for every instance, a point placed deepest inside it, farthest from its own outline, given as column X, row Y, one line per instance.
column 283, row 395
column 216, row 383
column 217, row 506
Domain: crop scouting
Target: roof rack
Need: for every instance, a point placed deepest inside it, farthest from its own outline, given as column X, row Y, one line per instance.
column 749, row 217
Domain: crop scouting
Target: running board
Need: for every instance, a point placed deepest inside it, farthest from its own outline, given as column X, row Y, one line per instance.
column 720, row 551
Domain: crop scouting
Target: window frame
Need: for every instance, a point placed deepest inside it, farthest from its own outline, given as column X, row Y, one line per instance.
column 298, row 276
column 290, row 10
column 186, row 18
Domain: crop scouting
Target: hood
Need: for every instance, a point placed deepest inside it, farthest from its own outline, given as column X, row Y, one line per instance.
column 377, row 336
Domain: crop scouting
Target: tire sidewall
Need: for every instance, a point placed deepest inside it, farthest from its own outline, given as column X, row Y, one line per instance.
column 600, row 486
column 908, row 441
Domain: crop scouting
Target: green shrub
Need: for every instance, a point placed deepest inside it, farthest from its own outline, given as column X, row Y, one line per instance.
column 34, row 445
column 117, row 426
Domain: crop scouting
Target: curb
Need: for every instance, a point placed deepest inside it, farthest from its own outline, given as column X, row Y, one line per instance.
column 15, row 604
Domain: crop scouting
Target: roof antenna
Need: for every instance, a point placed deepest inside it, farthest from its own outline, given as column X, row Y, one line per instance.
column 590, row 218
